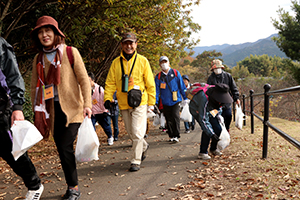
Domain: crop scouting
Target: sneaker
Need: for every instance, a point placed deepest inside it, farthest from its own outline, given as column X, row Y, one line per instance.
column 193, row 127
column 204, row 156
column 72, row 194
column 216, row 152
column 35, row 194
column 187, row 131
column 110, row 141
column 115, row 139
column 134, row 167
column 175, row 140
column 171, row 139
column 164, row 130
column 144, row 153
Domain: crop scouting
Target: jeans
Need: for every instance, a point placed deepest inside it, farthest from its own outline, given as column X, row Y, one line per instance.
column 205, row 139
column 227, row 115
column 64, row 138
column 188, row 124
column 104, row 121
column 115, row 121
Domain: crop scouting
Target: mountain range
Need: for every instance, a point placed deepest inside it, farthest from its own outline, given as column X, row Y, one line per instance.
column 231, row 54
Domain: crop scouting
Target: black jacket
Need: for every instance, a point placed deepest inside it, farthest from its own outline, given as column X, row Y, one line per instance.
column 225, row 78
column 14, row 80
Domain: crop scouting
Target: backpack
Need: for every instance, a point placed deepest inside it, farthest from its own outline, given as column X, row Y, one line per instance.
column 197, row 87
column 70, row 56
column 159, row 74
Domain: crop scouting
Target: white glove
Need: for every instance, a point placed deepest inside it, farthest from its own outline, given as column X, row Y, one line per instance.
column 150, row 108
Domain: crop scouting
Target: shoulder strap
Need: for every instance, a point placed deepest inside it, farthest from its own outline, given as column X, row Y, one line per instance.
column 123, row 66
column 175, row 72
column 159, row 74
column 70, row 56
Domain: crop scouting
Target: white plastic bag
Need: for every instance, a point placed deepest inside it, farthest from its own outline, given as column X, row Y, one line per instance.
column 162, row 120
column 156, row 120
column 185, row 114
column 25, row 135
column 150, row 114
column 87, row 145
column 239, row 117
column 224, row 138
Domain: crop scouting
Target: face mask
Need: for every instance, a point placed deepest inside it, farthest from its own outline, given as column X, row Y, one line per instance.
column 218, row 71
column 165, row 66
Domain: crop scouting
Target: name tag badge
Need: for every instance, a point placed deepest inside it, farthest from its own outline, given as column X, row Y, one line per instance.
column 130, row 82
column 48, row 92
column 163, row 86
column 214, row 112
column 95, row 101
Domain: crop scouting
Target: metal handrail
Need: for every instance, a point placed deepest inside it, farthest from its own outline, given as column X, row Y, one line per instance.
column 266, row 124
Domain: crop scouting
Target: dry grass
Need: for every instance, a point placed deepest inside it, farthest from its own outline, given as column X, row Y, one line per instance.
column 241, row 173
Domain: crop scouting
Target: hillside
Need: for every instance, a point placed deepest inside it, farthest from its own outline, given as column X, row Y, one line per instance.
column 235, row 53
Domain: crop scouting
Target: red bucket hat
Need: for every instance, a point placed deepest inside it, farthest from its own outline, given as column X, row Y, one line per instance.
column 46, row 20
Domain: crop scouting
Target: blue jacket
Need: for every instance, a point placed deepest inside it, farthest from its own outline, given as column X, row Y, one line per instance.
column 199, row 109
column 174, row 82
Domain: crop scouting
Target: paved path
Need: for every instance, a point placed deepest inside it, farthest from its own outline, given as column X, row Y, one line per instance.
column 166, row 166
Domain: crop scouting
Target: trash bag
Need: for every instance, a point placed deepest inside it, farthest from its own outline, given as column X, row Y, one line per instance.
column 25, row 135
column 239, row 117
column 87, row 145
column 156, row 120
column 224, row 138
column 162, row 120
column 185, row 114
column 150, row 114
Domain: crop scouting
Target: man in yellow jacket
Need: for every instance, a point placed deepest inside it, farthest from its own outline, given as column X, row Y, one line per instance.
column 130, row 73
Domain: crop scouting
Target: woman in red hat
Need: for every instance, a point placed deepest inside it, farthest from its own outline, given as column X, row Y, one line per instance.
column 60, row 94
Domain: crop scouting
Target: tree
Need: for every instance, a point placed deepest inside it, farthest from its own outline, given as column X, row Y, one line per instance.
column 203, row 63
column 163, row 27
column 240, row 72
column 263, row 65
column 288, row 39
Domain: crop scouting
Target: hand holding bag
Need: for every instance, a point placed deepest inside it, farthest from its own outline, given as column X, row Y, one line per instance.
column 87, row 145
column 25, row 135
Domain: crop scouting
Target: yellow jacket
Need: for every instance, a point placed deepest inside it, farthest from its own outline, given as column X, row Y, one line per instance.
column 142, row 76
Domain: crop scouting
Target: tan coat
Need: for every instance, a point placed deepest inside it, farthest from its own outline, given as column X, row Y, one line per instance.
column 74, row 90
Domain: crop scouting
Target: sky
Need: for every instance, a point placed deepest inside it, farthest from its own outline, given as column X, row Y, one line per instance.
column 236, row 21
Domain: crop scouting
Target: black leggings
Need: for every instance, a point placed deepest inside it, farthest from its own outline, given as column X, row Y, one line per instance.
column 64, row 138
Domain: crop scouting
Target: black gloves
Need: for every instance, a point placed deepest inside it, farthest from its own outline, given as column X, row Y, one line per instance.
column 107, row 104
column 216, row 137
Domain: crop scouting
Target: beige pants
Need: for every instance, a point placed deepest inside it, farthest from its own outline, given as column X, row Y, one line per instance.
column 135, row 124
